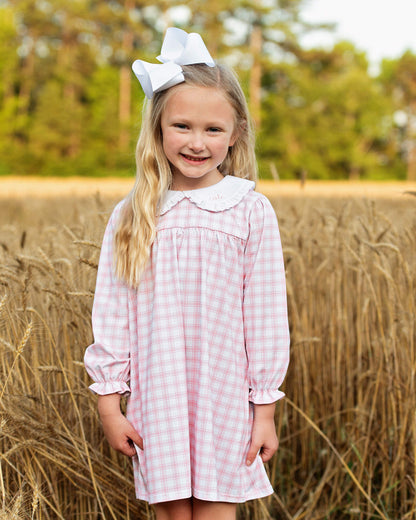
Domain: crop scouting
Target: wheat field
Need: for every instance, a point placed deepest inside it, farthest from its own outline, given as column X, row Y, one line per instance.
column 347, row 428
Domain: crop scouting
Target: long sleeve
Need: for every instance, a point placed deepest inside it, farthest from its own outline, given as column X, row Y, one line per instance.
column 265, row 306
column 107, row 360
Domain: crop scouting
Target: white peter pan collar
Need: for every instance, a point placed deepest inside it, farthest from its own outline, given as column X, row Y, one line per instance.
column 225, row 194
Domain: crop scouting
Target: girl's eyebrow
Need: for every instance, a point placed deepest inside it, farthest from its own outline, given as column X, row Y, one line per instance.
column 179, row 119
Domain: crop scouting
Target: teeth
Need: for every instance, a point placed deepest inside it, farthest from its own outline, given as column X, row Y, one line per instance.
column 197, row 159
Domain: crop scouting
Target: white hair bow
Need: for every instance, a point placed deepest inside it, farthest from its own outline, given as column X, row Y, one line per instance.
column 178, row 48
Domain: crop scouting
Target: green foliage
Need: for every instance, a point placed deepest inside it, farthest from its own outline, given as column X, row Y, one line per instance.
column 399, row 80
column 329, row 116
column 69, row 103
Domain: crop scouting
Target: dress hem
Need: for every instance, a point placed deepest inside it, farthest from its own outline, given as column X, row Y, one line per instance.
column 207, row 497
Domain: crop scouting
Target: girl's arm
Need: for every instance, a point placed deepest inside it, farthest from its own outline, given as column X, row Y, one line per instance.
column 263, row 435
column 107, row 360
column 119, row 432
column 266, row 327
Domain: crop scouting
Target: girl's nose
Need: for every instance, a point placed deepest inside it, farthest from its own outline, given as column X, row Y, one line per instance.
column 197, row 143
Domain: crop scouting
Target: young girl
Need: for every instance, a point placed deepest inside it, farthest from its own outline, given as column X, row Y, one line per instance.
column 190, row 315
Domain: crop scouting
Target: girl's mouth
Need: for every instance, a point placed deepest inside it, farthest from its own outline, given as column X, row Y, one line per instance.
column 194, row 159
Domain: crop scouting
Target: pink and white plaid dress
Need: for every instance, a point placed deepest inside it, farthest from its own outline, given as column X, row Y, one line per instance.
column 204, row 337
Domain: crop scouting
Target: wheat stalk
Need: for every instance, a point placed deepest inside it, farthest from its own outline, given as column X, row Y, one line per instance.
column 19, row 351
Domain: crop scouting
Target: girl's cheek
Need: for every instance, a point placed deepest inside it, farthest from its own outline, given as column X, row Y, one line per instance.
column 175, row 137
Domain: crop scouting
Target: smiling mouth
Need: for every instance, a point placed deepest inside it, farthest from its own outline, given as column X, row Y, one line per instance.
column 194, row 159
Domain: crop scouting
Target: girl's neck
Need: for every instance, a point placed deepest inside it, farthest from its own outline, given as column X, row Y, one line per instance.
column 182, row 183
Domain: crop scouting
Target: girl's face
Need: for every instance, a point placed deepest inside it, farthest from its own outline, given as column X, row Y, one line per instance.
column 198, row 127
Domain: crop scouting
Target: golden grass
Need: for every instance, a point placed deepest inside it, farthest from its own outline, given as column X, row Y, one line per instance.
column 347, row 428
column 51, row 187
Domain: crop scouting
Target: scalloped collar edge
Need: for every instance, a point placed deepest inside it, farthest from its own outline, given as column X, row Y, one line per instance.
column 225, row 194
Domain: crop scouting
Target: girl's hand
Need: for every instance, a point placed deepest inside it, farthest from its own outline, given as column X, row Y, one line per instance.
column 263, row 436
column 119, row 432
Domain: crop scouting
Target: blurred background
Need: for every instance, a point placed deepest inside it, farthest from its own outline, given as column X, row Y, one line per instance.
column 324, row 107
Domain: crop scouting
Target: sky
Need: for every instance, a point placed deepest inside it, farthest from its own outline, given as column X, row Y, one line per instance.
column 381, row 28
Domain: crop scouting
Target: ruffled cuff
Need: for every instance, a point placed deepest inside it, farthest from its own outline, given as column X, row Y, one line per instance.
column 264, row 396
column 110, row 387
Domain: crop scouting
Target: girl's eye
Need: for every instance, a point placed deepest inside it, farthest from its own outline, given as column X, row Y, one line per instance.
column 181, row 126
column 214, row 129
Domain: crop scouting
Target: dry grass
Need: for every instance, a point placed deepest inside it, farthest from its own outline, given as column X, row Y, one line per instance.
column 347, row 428
column 52, row 187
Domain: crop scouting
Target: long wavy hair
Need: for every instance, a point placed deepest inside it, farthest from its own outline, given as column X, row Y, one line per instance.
column 136, row 229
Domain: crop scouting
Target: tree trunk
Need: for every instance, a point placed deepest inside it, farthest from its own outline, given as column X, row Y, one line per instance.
column 255, row 77
column 124, row 108
column 411, row 138
column 26, row 77
column 354, row 173
column 411, row 162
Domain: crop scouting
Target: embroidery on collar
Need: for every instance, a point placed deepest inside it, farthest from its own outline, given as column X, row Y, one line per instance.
column 224, row 195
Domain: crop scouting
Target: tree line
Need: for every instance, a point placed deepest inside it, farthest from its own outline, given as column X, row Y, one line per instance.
column 69, row 104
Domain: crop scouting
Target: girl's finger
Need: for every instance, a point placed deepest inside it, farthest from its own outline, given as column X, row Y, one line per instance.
column 135, row 437
column 266, row 454
column 129, row 450
column 252, row 452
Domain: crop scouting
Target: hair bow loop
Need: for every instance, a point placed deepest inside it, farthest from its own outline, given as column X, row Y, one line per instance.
column 154, row 77
column 184, row 49
column 178, row 48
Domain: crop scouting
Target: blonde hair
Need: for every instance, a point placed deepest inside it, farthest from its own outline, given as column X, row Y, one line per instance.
column 138, row 219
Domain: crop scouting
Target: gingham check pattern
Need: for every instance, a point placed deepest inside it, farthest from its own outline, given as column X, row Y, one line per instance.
column 205, row 334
